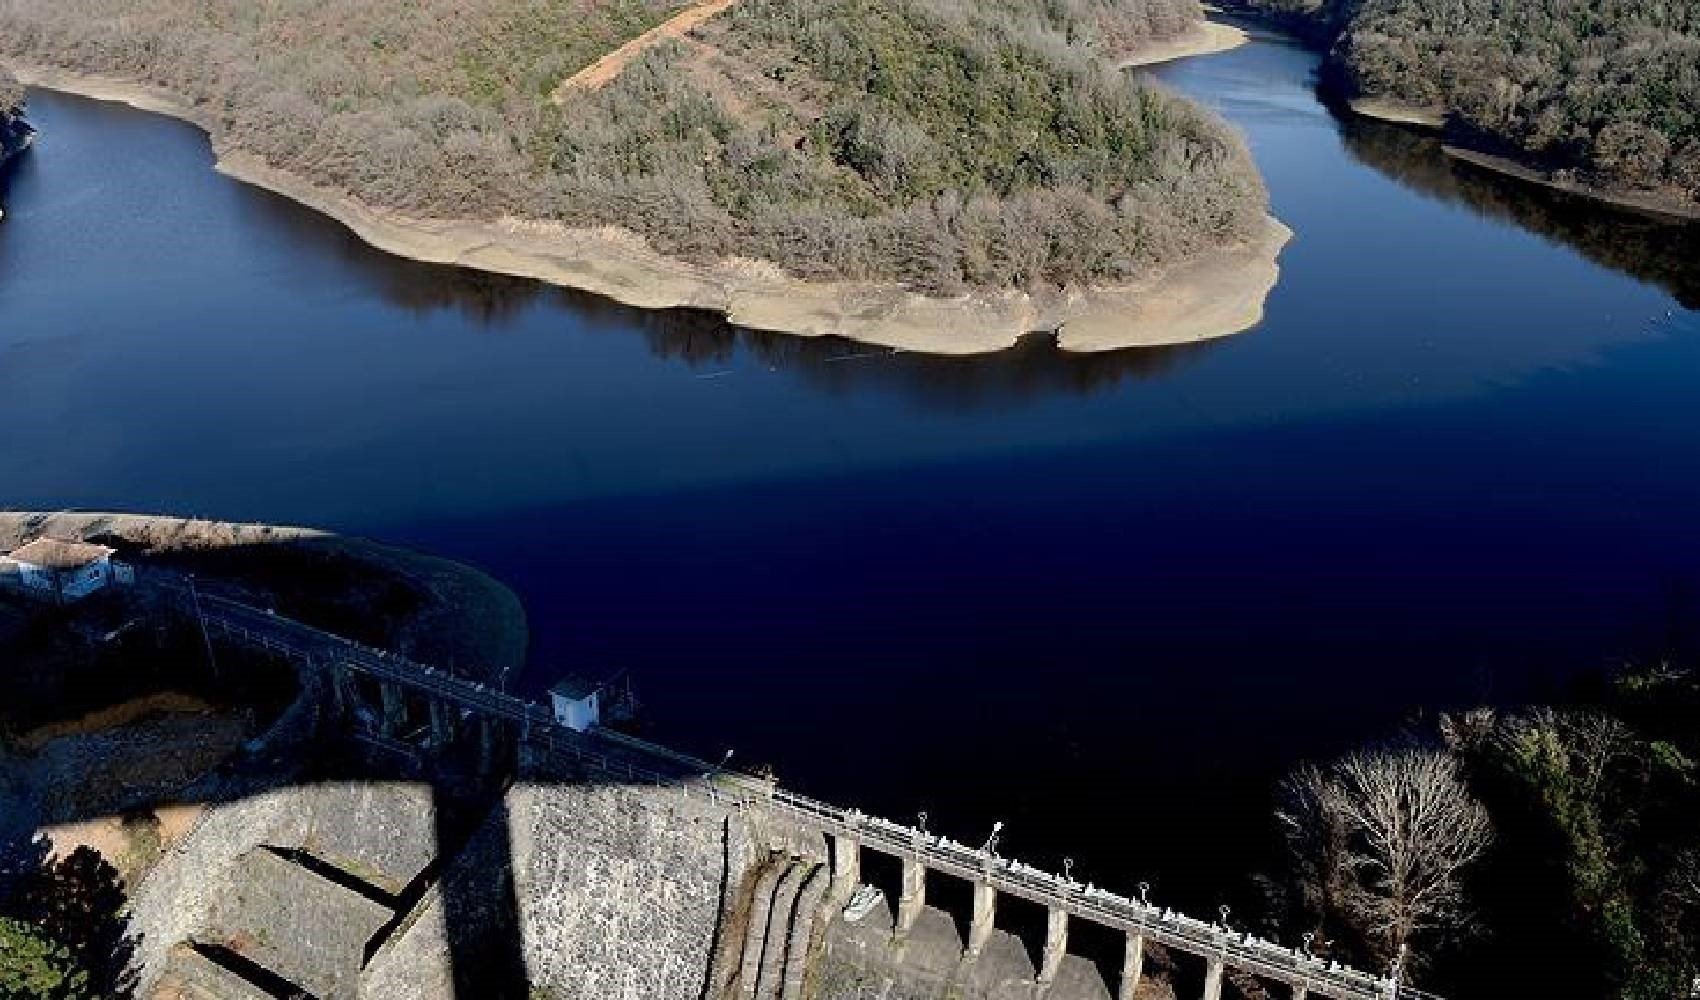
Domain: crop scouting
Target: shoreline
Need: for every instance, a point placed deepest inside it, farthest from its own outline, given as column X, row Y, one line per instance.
column 1315, row 37
column 1216, row 295
column 1647, row 204
column 1203, row 39
column 1396, row 112
column 1387, row 109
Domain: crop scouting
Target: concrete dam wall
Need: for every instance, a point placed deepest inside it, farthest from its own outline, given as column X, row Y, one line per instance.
column 598, row 892
column 534, row 860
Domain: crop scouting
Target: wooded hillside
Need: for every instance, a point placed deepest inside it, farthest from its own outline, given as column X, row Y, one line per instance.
column 1604, row 91
column 944, row 143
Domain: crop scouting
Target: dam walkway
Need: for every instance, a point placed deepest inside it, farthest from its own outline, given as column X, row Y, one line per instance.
column 399, row 703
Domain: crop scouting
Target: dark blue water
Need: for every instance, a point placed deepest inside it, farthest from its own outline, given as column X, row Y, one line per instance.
column 1104, row 599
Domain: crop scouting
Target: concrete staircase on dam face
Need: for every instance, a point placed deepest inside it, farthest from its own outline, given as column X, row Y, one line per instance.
column 781, row 929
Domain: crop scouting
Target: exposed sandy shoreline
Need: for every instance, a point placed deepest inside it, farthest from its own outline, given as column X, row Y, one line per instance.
column 1388, row 109
column 1210, row 297
column 1213, row 296
column 1649, row 203
column 1205, row 38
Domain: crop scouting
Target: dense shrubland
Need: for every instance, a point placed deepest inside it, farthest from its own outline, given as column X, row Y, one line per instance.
column 941, row 142
column 947, row 144
column 1606, row 91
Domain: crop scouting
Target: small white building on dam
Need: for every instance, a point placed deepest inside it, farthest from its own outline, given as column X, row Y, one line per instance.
column 61, row 570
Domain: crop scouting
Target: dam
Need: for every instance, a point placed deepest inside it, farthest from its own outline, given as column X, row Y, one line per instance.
column 737, row 888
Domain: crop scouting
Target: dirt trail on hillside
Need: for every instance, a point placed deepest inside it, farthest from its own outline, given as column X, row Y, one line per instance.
column 597, row 74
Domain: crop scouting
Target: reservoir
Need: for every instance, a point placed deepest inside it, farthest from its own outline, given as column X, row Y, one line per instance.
column 1104, row 599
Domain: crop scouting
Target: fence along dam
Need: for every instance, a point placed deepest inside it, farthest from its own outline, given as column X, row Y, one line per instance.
column 608, row 832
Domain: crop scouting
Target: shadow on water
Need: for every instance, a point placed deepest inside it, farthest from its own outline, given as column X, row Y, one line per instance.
column 485, row 300
column 1033, row 368
column 1662, row 252
column 10, row 170
column 705, row 342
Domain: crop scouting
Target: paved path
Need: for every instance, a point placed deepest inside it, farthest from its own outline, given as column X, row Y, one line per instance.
column 597, row 74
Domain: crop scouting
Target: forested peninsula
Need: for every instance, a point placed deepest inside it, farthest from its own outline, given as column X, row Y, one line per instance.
column 1596, row 96
column 936, row 175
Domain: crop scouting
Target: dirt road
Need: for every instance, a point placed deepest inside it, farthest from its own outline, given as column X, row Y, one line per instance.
column 597, row 74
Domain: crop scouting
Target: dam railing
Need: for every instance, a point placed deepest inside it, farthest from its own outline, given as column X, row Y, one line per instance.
column 619, row 756
column 1252, row 954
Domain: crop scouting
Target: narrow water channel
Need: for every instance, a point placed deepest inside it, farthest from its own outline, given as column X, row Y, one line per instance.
column 1104, row 599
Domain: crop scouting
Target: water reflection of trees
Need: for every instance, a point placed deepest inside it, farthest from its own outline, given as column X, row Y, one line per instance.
column 1666, row 253
column 702, row 339
column 9, row 168
column 480, row 297
column 705, row 340
column 1034, row 367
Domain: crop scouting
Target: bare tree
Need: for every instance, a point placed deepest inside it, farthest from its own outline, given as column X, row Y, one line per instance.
column 1382, row 839
column 1313, row 820
column 1685, row 878
column 1597, row 742
column 1465, row 733
column 1587, row 746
